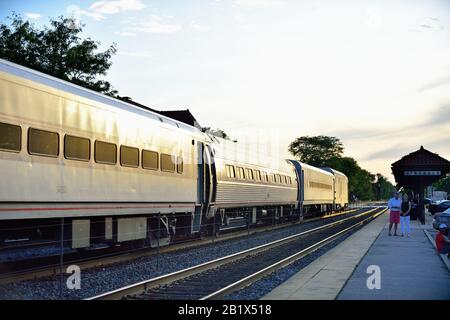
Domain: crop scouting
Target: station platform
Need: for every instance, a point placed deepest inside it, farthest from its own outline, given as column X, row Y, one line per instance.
column 409, row 268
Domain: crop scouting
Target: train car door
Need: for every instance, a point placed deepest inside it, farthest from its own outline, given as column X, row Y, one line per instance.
column 206, row 184
column 196, row 224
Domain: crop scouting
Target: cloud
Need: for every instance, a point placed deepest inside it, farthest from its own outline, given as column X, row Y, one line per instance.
column 396, row 151
column 435, row 84
column 32, row 15
column 125, row 33
column 429, row 24
column 116, row 6
column 194, row 25
column 439, row 116
column 436, row 118
column 76, row 12
column 100, row 9
column 431, row 130
column 258, row 3
column 155, row 24
column 399, row 150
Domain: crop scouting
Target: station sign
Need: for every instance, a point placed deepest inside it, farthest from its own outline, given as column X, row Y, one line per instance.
column 423, row 173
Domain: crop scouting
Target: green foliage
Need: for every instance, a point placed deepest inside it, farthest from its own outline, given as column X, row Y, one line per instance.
column 57, row 50
column 382, row 188
column 323, row 151
column 218, row 132
column 316, row 150
column 443, row 184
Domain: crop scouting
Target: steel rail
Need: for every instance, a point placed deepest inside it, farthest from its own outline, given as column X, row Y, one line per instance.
column 121, row 257
column 142, row 286
column 248, row 280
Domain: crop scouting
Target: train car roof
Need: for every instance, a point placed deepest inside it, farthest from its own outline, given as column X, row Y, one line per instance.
column 334, row 171
column 310, row 167
column 248, row 153
column 45, row 79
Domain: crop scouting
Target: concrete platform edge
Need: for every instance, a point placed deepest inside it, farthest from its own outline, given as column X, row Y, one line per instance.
column 323, row 263
column 360, row 259
column 443, row 256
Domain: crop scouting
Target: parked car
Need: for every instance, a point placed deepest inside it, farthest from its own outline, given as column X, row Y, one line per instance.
column 442, row 217
column 440, row 206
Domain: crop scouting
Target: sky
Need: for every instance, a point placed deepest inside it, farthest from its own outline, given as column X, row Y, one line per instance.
column 375, row 74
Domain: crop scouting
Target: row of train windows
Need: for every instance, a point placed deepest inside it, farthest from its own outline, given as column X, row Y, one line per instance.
column 256, row 175
column 320, row 185
column 46, row 143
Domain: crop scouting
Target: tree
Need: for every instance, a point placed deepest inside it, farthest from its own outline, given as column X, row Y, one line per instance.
column 360, row 180
column 324, row 151
column 58, row 51
column 317, row 150
column 382, row 188
column 218, row 133
column 443, row 184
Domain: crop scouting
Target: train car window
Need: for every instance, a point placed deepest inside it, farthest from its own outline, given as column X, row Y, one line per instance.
column 167, row 163
column 129, row 157
column 249, row 174
column 180, row 165
column 10, row 137
column 43, row 143
column 105, row 152
column 284, row 179
column 257, row 175
column 149, row 160
column 76, row 148
column 240, row 173
column 231, row 173
column 289, row 181
column 320, row 185
column 265, row 178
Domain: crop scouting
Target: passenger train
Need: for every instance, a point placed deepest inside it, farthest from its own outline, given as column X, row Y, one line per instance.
column 115, row 173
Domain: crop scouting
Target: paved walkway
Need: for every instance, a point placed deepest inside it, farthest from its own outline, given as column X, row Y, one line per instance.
column 410, row 269
column 324, row 278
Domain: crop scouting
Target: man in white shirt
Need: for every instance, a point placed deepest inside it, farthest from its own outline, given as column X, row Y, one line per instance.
column 394, row 206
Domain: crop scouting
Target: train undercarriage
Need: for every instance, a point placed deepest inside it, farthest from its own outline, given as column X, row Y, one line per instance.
column 151, row 230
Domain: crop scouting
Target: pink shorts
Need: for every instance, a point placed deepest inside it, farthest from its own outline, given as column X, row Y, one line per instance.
column 394, row 217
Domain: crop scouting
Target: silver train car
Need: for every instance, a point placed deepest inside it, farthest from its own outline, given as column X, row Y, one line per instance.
column 252, row 184
column 321, row 190
column 340, row 187
column 110, row 172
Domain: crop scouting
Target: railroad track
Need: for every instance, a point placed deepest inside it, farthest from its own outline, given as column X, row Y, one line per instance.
column 217, row 278
column 52, row 267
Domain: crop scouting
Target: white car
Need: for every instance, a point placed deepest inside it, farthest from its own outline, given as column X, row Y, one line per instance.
column 442, row 217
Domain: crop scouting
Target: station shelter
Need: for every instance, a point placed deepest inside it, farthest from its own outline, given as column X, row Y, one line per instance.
column 416, row 171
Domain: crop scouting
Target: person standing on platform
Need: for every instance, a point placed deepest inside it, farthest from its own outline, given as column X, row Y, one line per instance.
column 394, row 206
column 442, row 241
column 405, row 216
